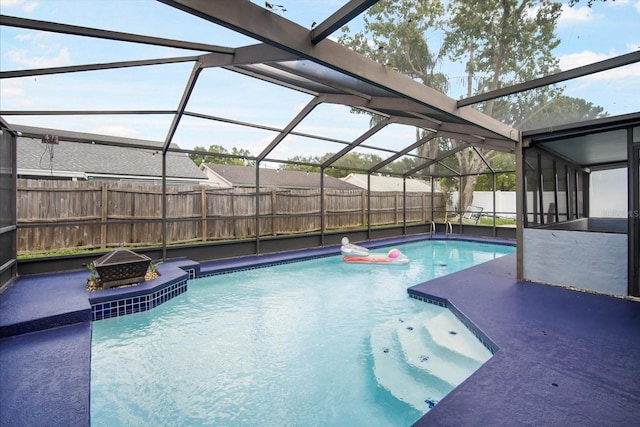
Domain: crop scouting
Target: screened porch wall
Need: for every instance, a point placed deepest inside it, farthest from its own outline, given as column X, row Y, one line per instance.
column 562, row 244
column 8, row 265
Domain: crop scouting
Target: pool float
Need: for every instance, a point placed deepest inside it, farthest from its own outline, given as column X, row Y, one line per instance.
column 393, row 257
column 349, row 249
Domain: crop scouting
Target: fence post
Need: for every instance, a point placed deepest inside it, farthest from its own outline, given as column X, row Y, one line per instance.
column 424, row 207
column 204, row 204
column 103, row 217
column 274, row 210
column 395, row 207
column 364, row 207
column 324, row 209
column 234, row 223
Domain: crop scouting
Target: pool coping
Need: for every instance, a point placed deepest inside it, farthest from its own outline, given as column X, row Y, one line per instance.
column 492, row 396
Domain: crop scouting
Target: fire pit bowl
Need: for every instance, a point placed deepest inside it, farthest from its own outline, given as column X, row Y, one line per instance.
column 121, row 267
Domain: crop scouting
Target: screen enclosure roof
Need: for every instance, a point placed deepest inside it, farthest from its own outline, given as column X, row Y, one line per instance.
column 291, row 79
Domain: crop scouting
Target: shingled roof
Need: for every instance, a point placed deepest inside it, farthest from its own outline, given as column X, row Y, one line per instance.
column 243, row 176
column 85, row 160
column 388, row 183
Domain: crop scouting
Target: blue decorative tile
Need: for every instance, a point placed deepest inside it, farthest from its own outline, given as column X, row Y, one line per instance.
column 124, row 306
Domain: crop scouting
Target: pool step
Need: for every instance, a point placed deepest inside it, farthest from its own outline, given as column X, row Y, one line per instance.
column 419, row 361
column 446, row 357
column 398, row 377
column 447, row 332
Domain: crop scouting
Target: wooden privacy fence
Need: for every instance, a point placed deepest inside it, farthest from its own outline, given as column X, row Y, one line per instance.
column 54, row 215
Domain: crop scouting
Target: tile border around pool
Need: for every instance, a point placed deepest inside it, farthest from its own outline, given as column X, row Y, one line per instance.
column 482, row 337
column 130, row 305
column 175, row 275
column 162, row 292
column 134, row 299
column 173, row 281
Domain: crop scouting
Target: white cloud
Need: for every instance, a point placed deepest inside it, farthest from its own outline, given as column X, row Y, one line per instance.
column 621, row 3
column 625, row 76
column 11, row 92
column 30, row 7
column 14, row 94
column 573, row 15
column 27, row 6
column 579, row 59
column 115, row 130
column 33, row 36
column 10, row 3
column 22, row 57
column 620, row 74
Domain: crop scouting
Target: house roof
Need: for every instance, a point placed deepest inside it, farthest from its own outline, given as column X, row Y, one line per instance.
column 387, row 183
column 246, row 176
column 72, row 158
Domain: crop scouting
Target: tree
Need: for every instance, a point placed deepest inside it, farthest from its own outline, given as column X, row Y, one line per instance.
column 504, row 43
column 505, row 181
column 350, row 162
column 396, row 34
column 237, row 156
column 501, row 43
column 589, row 2
column 557, row 111
column 401, row 166
column 304, row 167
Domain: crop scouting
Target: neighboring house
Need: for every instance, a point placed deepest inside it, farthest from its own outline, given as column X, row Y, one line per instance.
column 228, row 176
column 388, row 183
column 72, row 160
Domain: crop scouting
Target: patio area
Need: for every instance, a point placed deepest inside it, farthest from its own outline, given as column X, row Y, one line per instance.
column 104, row 131
column 565, row 357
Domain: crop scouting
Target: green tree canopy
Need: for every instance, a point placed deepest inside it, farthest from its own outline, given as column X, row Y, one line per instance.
column 501, row 43
column 396, row 34
column 505, row 181
column 557, row 111
column 350, row 162
column 220, row 155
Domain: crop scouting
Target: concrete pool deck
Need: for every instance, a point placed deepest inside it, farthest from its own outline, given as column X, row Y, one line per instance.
column 565, row 357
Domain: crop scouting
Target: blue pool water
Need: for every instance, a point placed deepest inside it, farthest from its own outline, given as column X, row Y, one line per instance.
column 313, row 343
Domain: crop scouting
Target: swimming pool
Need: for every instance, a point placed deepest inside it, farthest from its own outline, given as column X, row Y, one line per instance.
column 318, row 342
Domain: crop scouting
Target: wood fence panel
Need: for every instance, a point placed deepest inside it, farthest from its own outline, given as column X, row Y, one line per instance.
column 111, row 214
column 343, row 208
column 384, row 208
column 184, row 214
column 219, row 204
column 47, row 202
column 120, row 208
column 414, row 210
column 297, row 211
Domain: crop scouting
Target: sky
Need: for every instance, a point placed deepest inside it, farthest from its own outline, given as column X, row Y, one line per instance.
column 588, row 34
